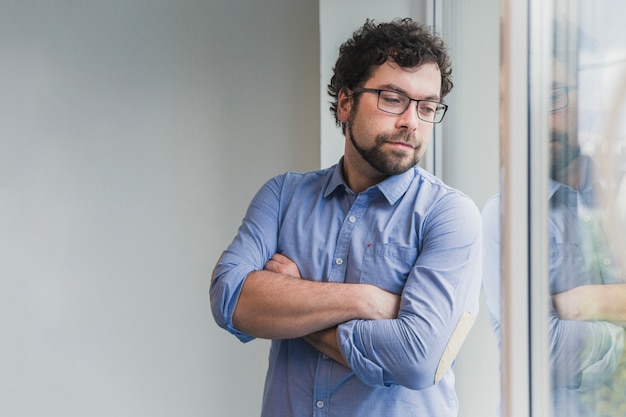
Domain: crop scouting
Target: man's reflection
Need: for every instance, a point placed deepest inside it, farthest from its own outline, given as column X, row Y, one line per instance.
column 585, row 354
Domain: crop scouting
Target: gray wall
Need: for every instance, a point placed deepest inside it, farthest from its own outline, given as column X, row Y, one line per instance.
column 132, row 136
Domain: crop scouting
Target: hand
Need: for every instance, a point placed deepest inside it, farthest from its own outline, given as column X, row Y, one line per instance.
column 282, row 265
column 380, row 304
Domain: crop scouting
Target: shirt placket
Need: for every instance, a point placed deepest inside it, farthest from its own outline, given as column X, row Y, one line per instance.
column 350, row 221
column 323, row 375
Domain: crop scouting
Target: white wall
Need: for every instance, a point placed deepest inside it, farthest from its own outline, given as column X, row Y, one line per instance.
column 470, row 143
column 132, row 136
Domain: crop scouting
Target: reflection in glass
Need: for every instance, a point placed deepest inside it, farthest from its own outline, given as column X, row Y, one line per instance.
column 586, row 212
column 559, row 98
column 599, row 299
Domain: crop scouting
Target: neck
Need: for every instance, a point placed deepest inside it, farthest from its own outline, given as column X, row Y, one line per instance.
column 359, row 175
column 575, row 174
column 568, row 175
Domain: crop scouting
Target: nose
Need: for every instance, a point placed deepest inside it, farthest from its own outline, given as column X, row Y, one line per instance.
column 409, row 120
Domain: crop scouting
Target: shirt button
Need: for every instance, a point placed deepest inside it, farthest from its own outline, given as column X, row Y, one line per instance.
column 320, row 404
column 587, row 218
column 606, row 261
column 339, row 261
column 325, row 356
column 352, row 219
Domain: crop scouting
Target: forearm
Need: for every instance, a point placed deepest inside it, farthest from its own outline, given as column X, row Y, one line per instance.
column 592, row 302
column 326, row 342
column 278, row 306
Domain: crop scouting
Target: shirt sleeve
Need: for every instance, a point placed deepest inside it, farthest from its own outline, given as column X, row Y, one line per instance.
column 254, row 244
column 584, row 354
column 440, row 293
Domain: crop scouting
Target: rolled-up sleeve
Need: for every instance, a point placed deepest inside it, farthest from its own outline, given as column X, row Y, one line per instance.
column 253, row 245
column 584, row 354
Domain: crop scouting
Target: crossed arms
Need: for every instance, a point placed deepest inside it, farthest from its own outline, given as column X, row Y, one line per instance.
column 606, row 302
column 276, row 304
column 362, row 322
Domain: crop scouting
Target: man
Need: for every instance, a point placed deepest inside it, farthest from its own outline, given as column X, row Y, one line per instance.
column 365, row 275
column 584, row 354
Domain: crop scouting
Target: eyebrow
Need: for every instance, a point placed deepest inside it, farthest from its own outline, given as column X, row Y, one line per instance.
column 394, row 87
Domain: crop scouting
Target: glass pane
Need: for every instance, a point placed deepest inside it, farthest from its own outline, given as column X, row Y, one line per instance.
column 586, row 206
column 585, row 108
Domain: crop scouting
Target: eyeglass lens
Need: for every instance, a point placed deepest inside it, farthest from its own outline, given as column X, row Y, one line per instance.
column 396, row 103
column 558, row 99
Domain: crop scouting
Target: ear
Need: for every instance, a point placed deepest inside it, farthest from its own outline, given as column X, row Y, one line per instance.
column 344, row 104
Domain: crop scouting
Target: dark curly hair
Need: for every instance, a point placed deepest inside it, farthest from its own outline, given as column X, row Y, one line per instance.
column 403, row 41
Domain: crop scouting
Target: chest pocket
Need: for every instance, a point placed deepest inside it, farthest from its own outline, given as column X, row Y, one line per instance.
column 570, row 267
column 387, row 266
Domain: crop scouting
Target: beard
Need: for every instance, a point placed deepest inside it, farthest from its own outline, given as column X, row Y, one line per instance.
column 562, row 153
column 388, row 163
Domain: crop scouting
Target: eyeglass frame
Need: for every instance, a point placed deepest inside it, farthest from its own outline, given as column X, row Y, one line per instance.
column 565, row 89
column 377, row 91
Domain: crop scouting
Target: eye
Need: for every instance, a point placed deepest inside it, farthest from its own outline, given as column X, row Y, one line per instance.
column 427, row 107
column 393, row 99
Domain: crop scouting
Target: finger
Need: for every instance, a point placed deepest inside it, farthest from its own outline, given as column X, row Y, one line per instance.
column 272, row 266
column 280, row 258
column 275, row 266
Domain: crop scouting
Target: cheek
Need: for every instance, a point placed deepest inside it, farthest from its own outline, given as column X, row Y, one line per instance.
column 565, row 117
column 558, row 121
column 426, row 133
column 362, row 126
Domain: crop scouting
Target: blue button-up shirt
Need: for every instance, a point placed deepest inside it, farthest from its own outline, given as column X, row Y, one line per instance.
column 411, row 235
column 584, row 354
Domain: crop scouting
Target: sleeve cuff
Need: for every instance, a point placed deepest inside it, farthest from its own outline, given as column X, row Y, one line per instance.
column 367, row 371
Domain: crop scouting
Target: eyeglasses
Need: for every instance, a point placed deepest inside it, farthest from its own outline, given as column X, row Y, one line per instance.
column 396, row 103
column 559, row 98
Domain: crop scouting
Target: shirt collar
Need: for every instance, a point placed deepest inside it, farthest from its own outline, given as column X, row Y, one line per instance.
column 563, row 194
column 394, row 187
column 336, row 180
column 554, row 186
column 391, row 188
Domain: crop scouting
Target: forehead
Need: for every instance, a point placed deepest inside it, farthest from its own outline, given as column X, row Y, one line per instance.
column 423, row 81
column 562, row 75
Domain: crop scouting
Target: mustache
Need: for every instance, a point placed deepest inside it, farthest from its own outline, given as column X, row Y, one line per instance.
column 406, row 137
column 559, row 136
